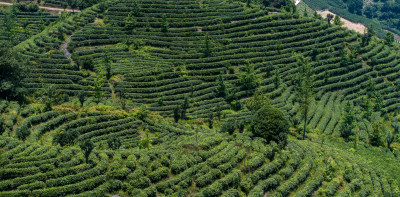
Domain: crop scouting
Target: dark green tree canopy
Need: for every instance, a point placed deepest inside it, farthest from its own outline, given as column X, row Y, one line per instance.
column 12, row 71
column 87, row 146
column 271, row 124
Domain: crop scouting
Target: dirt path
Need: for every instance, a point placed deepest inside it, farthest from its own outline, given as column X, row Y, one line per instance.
column 46, row 8
column 358, row 27
column 64, row 49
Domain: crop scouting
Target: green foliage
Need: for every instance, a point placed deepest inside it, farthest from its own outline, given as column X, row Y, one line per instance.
column 82, row 97
column 177, row 113
column 107, row 65
column 50, row 96
column 2, row 125
column 114, row 142
column 142, row 113
column 164, row 24
column 304, row 87
column 389, row 39
column 23, row 132
column 98, row 84
column 329, row 17
column 87, row 146
column 221, row 89
column 135, row 8
column 130, row 22
column 145, row 141
column 257, row 101
column 277, row 79
column 376, row 137
column 228, row 127
column 249, row 80
column 347, row 123
column 64, row 138
column 271, row 124
column 337, row 21
column 12, row 71
column 355, row 6
column 207, row 42
column 368, row 36
column 185, row 106
column 389, row 138
column 87, row 63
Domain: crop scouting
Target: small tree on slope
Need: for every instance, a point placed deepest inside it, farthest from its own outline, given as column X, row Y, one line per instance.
column 304, row 87
column 348, row 122
column 87, row 147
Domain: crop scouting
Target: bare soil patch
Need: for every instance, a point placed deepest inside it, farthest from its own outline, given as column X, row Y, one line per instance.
column 358, row 27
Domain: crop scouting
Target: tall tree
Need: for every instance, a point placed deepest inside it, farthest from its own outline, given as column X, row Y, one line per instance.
column 135, row 8
column 221, row 87
column 347, row 123
column 305, row 13
column 87, row 146
column 9, row 20
column 249, row 80
column 375, row 138
column 207, row 42
column 185, row 106
column 337, row 21
column 277, row 79
column 329, row 18
column 98, row 84
column 389, row 138
column 177, row 113
column 257, row 101
column 82, row 97
column 130, row 22
column 164, row 24
column 304, row 87
column 355, row 6
column 23, row 132
column 107, row 65
column 366, row 38
column 114, row 142
column 12, row 71
column 389, row 39
column 50, row 96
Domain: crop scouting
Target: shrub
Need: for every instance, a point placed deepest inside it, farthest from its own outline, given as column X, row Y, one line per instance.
column 23, row 132
column 142, row 182
column 131, row 162
column 66, row 137
column 271, row 124
column 114, row 143
column 158, row 174
column 87, row 147
column 228, row 127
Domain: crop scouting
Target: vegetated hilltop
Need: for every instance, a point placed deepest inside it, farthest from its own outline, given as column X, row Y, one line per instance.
column 170, row 98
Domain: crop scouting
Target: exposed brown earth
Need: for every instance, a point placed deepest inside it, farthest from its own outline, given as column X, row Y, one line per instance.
column 358, row 27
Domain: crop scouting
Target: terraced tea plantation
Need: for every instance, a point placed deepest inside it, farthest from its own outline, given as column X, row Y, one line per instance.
column 19, row 23
column 161, row 97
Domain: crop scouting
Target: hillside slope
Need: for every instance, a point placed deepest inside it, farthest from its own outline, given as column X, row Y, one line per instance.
column 161, row 55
